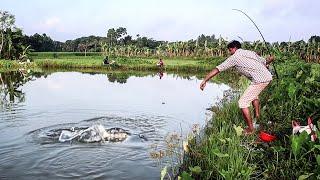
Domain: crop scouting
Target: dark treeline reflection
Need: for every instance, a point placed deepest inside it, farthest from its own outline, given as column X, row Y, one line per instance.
column 10, row 83
column 122, row 76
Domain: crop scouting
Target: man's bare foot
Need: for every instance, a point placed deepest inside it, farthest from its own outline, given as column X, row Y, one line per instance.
column 248, row 131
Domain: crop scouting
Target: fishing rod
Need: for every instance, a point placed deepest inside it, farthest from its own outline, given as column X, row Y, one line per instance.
column 274, row 67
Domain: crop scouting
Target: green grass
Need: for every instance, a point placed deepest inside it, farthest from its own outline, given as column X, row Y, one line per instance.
column 9, row 65
column 94, row 61
column 39, row 55
column 123, row 63
column 221, row 153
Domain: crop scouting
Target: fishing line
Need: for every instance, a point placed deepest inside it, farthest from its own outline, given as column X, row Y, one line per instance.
column 275, row 70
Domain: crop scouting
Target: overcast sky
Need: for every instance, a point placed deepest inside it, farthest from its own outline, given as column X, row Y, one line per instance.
column 170, row 20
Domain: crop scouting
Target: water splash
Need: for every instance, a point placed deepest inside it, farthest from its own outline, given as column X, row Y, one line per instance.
column 95, row 133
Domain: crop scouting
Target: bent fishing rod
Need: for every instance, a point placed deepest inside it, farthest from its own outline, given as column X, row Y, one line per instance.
column 274, row 67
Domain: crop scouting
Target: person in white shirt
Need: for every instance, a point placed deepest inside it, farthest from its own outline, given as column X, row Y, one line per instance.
column 254, row 67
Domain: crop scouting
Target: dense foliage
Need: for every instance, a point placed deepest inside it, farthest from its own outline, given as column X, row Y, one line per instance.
column 296, row 96
column 12, row 42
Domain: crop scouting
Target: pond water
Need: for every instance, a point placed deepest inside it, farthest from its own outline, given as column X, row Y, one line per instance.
column 36, row 107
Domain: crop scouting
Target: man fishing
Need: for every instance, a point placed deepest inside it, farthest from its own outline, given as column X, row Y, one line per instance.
column 254, row 67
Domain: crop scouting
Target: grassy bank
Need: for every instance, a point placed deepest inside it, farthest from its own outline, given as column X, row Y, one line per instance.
column 94, row 61
column 222, row 154
column 9, row 65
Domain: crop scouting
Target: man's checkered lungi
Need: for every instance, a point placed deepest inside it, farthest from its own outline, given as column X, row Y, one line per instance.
column 251, row 93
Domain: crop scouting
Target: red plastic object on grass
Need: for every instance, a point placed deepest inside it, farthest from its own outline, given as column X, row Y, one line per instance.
column 265, row 137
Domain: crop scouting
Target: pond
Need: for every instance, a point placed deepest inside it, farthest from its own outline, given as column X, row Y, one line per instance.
column 36, row 107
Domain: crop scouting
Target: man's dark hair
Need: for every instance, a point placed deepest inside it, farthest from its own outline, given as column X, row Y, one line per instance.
column 234, row 44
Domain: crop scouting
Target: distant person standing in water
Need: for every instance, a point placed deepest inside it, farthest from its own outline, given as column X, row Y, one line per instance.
column 160, row 63
column 254, row 67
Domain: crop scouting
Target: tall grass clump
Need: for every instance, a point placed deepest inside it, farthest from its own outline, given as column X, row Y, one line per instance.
column 221, row 153
column 9, row 65
column 6, row 64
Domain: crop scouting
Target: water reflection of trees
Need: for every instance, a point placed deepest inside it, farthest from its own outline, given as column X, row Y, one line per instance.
column 122, row 77
column 118, row 77
column 229, row 78
column 10, row 82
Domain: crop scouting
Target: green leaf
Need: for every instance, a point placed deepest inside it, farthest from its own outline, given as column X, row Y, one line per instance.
column 318, row 132
column 297, row 141
column 238, row 129
column 318, row 159
column 317, row 146
column 295, row 145
column 196, row 169
column 224, row 173
column 222, row 140
column 306, row 176
column 278, row 149
column 299, row 74
column 164, row 172
column 304, row 137
column 291, row 90
column 219, row 154
column 186, row 176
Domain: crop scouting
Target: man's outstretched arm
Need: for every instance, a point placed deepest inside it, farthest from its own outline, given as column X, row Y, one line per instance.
column 214, row 72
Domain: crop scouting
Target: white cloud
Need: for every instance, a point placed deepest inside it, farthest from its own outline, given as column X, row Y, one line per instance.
column 52, row 22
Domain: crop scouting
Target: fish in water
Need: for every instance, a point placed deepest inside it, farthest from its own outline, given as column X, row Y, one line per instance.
column 95, row 133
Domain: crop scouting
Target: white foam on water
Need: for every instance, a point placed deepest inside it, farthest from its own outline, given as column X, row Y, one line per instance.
column 95, row 133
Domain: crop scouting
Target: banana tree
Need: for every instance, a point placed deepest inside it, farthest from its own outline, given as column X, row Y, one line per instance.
column 170, row 49
column 7, row 22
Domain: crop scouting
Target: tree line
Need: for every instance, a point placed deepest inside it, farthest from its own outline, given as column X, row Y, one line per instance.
column 15, row 45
